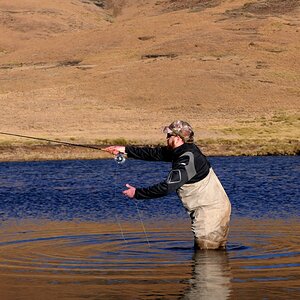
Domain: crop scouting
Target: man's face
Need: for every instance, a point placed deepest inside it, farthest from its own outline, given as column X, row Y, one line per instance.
column 171, row 141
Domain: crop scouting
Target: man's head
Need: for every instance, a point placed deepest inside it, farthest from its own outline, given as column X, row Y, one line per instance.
column 181, row 131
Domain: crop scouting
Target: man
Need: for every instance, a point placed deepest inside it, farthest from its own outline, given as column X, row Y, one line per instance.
column 194, row 180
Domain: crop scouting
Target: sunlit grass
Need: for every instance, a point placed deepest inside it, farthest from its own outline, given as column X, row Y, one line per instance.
column 250, row 147
column 280, row 125
column 276, row 134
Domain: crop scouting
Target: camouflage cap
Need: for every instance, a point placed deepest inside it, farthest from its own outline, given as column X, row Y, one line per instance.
column 182, row 129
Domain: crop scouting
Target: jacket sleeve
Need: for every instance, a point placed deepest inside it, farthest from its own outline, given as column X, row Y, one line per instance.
column 149, row 153
column 177, row 177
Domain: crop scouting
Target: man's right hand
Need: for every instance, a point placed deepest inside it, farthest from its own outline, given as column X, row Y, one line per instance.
column 115, row 149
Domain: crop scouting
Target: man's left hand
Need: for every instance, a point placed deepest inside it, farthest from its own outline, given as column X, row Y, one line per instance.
column 130, row 191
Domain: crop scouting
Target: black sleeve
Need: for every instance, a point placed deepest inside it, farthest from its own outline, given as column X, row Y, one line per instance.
column 149, row 153
column 177, row 177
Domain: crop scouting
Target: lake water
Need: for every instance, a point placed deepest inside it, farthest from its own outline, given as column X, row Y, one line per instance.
column 68, row 233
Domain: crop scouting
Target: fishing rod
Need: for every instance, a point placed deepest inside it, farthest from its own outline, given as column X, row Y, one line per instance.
column 119, row 158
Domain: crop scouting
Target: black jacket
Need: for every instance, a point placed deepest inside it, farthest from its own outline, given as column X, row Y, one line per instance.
column 189, row 165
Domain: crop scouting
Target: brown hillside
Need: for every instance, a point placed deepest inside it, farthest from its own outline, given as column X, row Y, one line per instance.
column 95, row 71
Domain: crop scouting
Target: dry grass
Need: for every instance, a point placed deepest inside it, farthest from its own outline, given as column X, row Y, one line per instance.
column 117, row 71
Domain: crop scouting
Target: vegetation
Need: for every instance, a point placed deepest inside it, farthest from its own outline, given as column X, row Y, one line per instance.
column 277, row 126
column 277, row 134
column 250, row 147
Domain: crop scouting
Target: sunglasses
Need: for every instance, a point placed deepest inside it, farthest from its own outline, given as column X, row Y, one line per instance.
column 170, row 135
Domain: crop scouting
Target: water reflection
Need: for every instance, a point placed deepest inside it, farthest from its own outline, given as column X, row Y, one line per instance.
column 211, row 277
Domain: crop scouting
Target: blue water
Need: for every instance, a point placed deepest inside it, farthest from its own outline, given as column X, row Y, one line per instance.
column 91, row 190
column 67, row 232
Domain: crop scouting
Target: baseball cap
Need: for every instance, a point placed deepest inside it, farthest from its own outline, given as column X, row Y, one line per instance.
column 182, row 129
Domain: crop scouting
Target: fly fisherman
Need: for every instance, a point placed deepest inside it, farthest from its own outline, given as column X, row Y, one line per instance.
column 194, row 180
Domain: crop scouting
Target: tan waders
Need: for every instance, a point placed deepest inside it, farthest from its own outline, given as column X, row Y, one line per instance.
column 209, row 209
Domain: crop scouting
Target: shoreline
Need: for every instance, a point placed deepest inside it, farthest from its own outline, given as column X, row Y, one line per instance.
column 42, row 152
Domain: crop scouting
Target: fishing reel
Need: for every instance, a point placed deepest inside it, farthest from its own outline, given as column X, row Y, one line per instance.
column 120, row 158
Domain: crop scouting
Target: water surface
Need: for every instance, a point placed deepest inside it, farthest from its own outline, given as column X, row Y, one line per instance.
column 68, row 233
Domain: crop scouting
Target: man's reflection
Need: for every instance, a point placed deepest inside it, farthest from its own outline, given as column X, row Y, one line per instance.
column 210, row 276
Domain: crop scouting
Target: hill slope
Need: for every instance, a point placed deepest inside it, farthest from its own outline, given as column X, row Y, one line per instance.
column 95, row 71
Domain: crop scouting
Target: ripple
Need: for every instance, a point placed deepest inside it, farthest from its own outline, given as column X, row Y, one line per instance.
column 61, row 252
column 236, row 247
column 265, row 251
column 44, row 251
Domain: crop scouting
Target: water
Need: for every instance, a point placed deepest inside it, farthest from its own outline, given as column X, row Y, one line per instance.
column 68, row 233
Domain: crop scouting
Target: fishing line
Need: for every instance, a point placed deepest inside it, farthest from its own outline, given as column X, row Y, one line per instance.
column 143, row 226
column 119, row 158
column 115, row 198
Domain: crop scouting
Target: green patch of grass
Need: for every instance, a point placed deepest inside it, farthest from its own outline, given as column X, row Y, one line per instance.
column 279, row 125
column 250, row 147
column 118, row 141
column 287, row 75
column 19, row 142
column 284, row 117
column 277, row 25
column 5, row 143
column 248, row 132
column 109, row 18
column 293, row 91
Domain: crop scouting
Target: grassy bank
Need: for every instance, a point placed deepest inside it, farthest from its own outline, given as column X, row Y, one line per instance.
column 251, row 147
column 211, row 147
column 276, row 134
